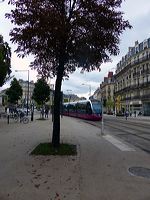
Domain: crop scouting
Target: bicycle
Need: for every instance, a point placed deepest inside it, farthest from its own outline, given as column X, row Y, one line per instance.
column 14, row 116
column 23, row 118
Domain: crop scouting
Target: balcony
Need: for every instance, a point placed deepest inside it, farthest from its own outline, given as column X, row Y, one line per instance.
column 144, row 58
column 125, row 89
column 136, row 74
column 145, row 97
column 146, row 71
column 132, row 87
column 138, row 61
column 136, row 97
column 128, row 98
column 144, row 85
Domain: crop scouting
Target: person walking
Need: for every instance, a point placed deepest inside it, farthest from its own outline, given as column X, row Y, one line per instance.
column 42, row 113
column 135, row 113
column 126, row 114
column 46, row 112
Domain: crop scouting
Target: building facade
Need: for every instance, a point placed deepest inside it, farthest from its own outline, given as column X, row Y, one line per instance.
column 107, row 93
column 132, row 80
column 3, row 98
column 97, row 94
column 24, row 85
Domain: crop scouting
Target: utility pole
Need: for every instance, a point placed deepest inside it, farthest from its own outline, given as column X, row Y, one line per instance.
column 102, row 121
column 28, row 96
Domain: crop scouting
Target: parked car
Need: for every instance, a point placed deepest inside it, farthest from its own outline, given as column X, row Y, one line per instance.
column 120, row 114
column 24, row 110
column 110, row 113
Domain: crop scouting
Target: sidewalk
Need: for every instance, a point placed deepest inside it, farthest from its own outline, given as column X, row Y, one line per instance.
column 98, row 172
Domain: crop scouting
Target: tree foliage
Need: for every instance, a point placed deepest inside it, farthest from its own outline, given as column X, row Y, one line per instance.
column 109, row 104
column 14, row 92
column 41, row 92
column 85, row 32
column 5, row 64
column 64, row 35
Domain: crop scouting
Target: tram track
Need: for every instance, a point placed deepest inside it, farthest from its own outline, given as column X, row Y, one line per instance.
column 133, row 123
column 121, row 128
column 127, row 133
column 134, row 128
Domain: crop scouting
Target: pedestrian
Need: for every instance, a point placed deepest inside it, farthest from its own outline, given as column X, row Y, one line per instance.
column 135, row 113
column 42, row 113
column 130, row 114
column 46, row 111
column 5, row 109
column 52, row 112
column 126, row 115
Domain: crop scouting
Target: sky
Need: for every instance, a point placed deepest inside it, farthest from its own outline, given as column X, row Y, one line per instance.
column 138, row 14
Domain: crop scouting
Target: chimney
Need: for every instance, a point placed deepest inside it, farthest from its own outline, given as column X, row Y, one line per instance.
column 110, row 74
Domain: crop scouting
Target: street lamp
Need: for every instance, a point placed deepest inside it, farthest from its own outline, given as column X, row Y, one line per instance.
column 102, row 121
column 89, row 88
column 28, row 88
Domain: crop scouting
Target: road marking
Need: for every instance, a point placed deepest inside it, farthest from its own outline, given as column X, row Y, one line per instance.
column 120, row 145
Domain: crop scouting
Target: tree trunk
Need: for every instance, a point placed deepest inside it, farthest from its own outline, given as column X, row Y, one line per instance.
column 57, row 100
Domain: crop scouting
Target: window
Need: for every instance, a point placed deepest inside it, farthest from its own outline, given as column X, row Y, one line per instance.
column 71, row 108
column 97, row 106
column 88, row 108
column 81, row 107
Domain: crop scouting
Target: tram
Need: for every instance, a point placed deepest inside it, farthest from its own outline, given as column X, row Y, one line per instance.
column 85, row 109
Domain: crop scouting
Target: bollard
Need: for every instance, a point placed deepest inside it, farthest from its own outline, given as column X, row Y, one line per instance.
column 7, row 119
column 52, row 117
column 31, row 116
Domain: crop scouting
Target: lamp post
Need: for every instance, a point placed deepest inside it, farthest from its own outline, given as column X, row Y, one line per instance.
column 102, row 121
column 89, row 88
column 27, row 89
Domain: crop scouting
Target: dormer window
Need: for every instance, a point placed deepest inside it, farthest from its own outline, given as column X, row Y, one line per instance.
column 137, row 49
column 145, row 44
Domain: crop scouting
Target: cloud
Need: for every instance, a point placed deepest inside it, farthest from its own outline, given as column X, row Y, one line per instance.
column 134, row 9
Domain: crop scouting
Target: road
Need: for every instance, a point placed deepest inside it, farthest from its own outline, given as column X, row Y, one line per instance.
column 135, row 131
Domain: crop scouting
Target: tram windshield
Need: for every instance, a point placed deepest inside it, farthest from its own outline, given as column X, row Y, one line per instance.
column 96, row 107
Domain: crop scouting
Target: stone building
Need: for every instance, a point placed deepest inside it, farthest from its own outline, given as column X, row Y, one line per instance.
column 97, row 94
column 3, row 98
column 132, row 80
column 107, row 93
column 24, row 85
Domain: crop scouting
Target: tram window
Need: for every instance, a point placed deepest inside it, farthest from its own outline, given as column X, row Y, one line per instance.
column 96, row 107
column 65, row 108
column 71, row 108
column 81, row 108
column 88, row 108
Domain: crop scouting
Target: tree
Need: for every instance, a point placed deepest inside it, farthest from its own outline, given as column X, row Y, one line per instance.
column 5, row 64
column 41, row 92
column 109, row 105
column 14, row 92
column 66, row 34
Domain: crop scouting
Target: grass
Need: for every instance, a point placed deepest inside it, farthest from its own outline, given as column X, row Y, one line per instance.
column 48, row 149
